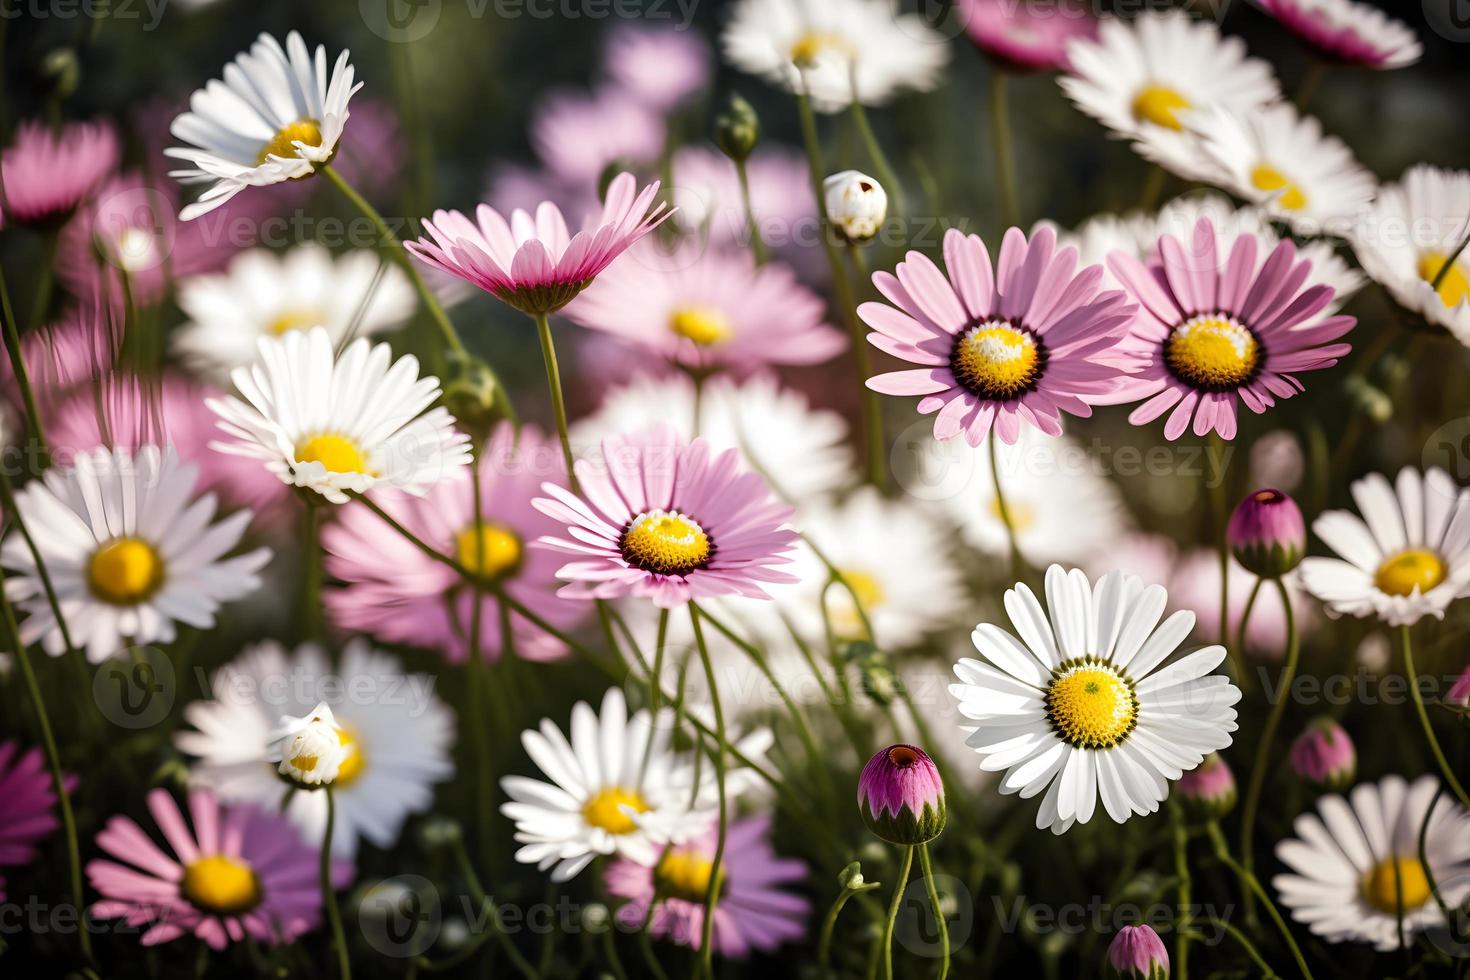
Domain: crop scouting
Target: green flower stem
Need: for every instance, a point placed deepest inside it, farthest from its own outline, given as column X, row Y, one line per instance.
column 41, row 303
column 1458, row 934
column 1248, row 878
column 311, row 593
column 872, row 407
column 1250, row 950
column 886, row 175
column 934, row 903
column 1307, row 87
column 480, row 682
column 485, row 902
column 829, row 925
column 712, row 889
column 1018, row 564
column 1220, row 499
column 329, row 895
column 558, row 402
column 1418, row 696
column 752, row 223
column 53, row 762
column 1185, row 887
column 1263, row 746
column 903, row 880
column 1449, row 263
column 1005, row 164
column 17, row 362
column 1237, row 654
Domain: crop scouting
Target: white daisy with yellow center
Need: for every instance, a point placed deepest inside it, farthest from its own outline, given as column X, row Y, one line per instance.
column 1356, row 871
column 277, row 115
column 129, row 551
column 340, row 424
column 1406, row 557
column 267, row 294
column 382, row 739
column 1082, row 705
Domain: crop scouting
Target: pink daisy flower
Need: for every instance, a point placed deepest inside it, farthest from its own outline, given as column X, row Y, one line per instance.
column 753, row 913
column 658, row 66
column 577, row 136
column 1024, row 36
column 27, row 802
column 668, row 522
column 78, row 348
column 47, row 175
column 1347, row 32
column 240, row 871
column 532, row 263
column 1211, row 333
column 710, row 308
column 398, row 594
column 1024, row 342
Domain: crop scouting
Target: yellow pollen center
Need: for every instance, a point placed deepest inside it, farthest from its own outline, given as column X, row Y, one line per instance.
column 1022, row 514
column 666, row 542
column 1090, row 705
column 1267, row 178
column 700, row 324
column 1393, row 878
column 844, row 614
column 1406, row 571
column 1212, row 352
column 351, row 766
column 1454, row 288
column 337, row 453
column 125, row 571
column 1159, row 104
column 294, row 320
column 685, row 874
column 283, row 144
column 609, row 810
column 490, row 550
column 222, row 885
column 812, row 45
column 996, row 360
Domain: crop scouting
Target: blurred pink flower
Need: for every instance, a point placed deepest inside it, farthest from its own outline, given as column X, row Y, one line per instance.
column 27, row 803
column 47, row 175
column 577, row 136
column 78, row 348
column 707, row 193
column 658, row 66
column 1195, row 585
column 1025, row 36
column 1346, row 32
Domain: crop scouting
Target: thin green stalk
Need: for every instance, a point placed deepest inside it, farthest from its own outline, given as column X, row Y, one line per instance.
column 934, row 903
column 752, row 223
column 1418, row 696
column 484, row 901
column 41, row 303
column 1307, row 87
column 1449, row 263
column 1222, row 852
column 886, row 175
column 311, row 593
column 22, row 378
column 1185, row 887
column 1237, row 653
column 829, row 925
column 1219, row 496
column 329, row 895
column 1153, row 187
column 1018, row 564
column 1267, row 738
column 1457, row 934
column 558, row 402
column 872, row 407
column 480, row 682
column 1250, row 950
column 712, row 889
column 1005, row 164
column 53, row 762
column 903, row 881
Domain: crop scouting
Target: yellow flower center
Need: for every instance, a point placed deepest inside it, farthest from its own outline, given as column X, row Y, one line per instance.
column 351, row 766
column 1395, row 878
column 1159, row 104
column 1267, row 178
column 337, row 453
column 489, row 550
column 283, row 144
column 843, row 612
column 125, row 571
column 222, row 885
column 686, row 875
column 996, row 360
column 1213, row 352
column 1022, row 514
column 1091, row 705
column 1454, row 288
column 666, row 542
column 1406, row 571
column 705, row 326
column 813, row 44
column 608, row 809
column 294, row 320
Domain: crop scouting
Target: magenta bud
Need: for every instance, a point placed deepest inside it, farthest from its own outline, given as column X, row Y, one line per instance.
column 1208, row 790
column 1459, row 696
column 901, row 796
column 1137, row 953
column 1267, row 534
column 1324, row 756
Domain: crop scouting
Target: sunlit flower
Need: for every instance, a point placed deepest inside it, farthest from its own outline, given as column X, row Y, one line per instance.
column 578, row 136
column 1408, row 555
column 129, row 550
column 658, row 66
column 1080, row 706
column 1026, row 342
column 1208, row 792
column 267, row 294
column 1355, row 870
column 1266, row 533
column 1346, row 32
column 46, row 174
column 707, row 192
column 309, row 750
column 65, row 356
column 337, row 424
column 856, row 204
column 1026, row 36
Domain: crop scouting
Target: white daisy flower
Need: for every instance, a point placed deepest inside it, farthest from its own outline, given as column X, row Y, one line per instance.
column 1281, row 161
column 837, row 50
column 894, row 555
column 1139, row 78
column 1404, row 241
column 1356, row 865
column 395, row 733
column 338, row 424
column 310, row 750
column 1408, row 555
column 276, row 116
column 1061, row 504
column 613, row 789
column 1080, row 707
column 129, row 550
column 267, row 294
column 802, row 451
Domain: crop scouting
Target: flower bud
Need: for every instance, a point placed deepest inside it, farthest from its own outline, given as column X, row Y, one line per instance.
column 856, row 204
column 901, row 796
column 1137, row 953
column 1324, row 756
column 310, row 750
column 737, row 129
column 1459, row 696
column 1267, row 534
column 1208, row 790
column 851, row 877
